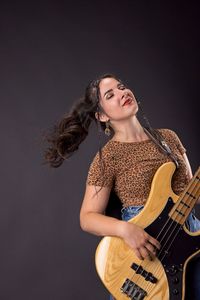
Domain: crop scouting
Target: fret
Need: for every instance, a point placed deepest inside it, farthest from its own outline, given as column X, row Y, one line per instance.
column 187, row 200
column 190, row 195
column 182, row 202
column 179, row 212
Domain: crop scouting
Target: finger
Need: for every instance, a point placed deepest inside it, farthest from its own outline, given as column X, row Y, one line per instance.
column 138, row 254
column 150, row 248
column 154, row 242
column 145, row 253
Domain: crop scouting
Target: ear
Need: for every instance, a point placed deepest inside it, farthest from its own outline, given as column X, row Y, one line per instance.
column 101, row 117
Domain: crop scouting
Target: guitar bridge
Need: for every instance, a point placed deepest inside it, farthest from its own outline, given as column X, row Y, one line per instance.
column 132, row 290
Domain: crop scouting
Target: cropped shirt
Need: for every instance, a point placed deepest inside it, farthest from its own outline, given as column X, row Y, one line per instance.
column 129, row 167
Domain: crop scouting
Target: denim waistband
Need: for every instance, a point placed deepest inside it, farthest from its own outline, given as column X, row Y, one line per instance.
column 129, row 212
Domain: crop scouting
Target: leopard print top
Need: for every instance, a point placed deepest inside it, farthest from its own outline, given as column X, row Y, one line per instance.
column 129, row 167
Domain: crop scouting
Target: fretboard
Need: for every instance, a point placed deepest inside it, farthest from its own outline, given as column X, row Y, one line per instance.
column 187, row 200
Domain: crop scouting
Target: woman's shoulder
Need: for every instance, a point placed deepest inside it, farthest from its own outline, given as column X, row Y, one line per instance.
column 171, row 136
column 106, row 152
column 167, row 133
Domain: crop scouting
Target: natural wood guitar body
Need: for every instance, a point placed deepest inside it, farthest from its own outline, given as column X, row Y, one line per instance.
column 116, row 263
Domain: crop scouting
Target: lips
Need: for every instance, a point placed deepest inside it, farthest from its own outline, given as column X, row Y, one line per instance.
column 127, row 101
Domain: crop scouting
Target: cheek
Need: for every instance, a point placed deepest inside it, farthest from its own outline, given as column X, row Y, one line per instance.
column 112, row 109
column 109, row 105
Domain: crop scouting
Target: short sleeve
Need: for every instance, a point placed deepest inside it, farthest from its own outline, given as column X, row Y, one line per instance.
column 174, row 139
column 101, row 171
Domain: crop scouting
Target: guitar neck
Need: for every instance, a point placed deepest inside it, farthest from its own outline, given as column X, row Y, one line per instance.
column 187, row 200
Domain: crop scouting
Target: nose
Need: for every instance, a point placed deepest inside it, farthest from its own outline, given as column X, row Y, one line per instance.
column 124, row 95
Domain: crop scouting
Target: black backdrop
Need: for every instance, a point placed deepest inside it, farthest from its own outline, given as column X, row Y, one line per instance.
column 49, row 51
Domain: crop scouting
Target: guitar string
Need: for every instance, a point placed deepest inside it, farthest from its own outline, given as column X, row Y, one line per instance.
column 185, row 197
column 149, row 285
column 196, row 192
column 170, row 219
column 179, row 227
column 190, row 185
column 174, row 219
column 181, row 206
column 169, row 246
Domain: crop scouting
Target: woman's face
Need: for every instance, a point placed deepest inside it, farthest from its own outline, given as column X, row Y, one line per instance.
column 117, row 101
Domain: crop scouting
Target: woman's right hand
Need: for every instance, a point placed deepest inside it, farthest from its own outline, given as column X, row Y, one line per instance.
column 143, row 245
column 93, row 220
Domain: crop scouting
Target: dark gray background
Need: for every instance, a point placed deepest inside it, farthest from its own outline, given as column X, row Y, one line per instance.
column 49, row 51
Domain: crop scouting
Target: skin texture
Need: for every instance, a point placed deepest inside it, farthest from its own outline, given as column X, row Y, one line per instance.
column 119, row 108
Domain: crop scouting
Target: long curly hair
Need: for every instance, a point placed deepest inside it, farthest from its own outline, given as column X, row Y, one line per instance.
column 73, row 128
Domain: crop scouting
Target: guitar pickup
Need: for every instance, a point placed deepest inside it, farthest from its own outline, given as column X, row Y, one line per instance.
column 147, row 275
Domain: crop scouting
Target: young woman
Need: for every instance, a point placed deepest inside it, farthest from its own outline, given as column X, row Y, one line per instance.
column 126, row 164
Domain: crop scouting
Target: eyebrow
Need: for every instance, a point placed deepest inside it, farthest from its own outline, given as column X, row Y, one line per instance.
column 108, row 91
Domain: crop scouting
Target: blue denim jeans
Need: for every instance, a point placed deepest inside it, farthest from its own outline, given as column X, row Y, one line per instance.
column 193, row 270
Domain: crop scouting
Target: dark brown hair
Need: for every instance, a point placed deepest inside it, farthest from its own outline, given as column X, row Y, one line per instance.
column 73, row 128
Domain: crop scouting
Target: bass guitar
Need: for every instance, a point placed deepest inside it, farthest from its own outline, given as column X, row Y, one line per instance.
column 163, row 217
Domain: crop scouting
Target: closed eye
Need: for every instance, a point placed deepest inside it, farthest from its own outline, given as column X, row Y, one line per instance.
column 121, row 87
column 110, row 95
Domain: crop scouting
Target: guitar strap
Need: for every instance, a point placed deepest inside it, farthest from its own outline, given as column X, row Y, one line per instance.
column 158, row 139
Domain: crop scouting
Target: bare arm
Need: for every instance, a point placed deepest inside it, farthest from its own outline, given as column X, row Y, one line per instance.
column 93, row 220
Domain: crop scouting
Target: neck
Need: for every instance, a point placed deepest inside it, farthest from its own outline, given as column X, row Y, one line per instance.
column 129, row 131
